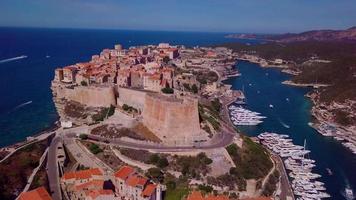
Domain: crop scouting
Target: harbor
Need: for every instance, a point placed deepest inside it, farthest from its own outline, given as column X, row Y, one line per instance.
column 304, row 182
column 290, row 114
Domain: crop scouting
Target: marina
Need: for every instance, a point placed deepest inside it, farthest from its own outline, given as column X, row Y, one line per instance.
column 304, row 183
column 243, row 117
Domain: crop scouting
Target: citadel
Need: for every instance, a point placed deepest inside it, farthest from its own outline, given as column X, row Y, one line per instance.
column 151, row 123
column 146, row 79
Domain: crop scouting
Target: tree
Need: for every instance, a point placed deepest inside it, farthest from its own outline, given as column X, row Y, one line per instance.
column 166, row 59
column 111, row 110
column 162, row 162
column 155, row 173
column 167, row 90
column 83, row 136
column 194, row 88
column 95, row 149
column 154, row 158
column 83, row 83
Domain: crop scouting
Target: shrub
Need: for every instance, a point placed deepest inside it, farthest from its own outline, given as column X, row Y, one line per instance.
column 83, row 136
column 162, row 162
column 167, row 90
column 205, row 188
column 155, row 173
column 154, row 158
column 194, row 88
column 83, row 83
column 95, row 149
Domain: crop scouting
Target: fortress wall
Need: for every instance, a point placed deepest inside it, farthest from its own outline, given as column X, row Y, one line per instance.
column 131, row 97
column 175, row 121
column 90, row 96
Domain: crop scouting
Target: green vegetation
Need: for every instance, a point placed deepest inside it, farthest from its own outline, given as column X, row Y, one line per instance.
column 192, row 166
column 195, row 89
column 16, row 169
column 167, row 90
column 129, row 109
column 75, row 110
column 176, row 188
column 103, row 113
column 83, row 83
column 204, row 77
column 155, row 174
column 95, row 149
column 339, row 73
column 228, row 180
column 158, row 160
column 211, row 116
column 270, row 186
column 83, row 136
column 252, row 161
column 206, row 189
column 166, row 59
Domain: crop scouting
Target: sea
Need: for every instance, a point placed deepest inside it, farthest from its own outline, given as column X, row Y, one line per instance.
column 28, row 57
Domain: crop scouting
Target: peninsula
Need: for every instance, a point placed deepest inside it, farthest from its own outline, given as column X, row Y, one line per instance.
column 151, row 122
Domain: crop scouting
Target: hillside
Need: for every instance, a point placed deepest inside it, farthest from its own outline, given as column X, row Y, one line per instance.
column 314, row 35
column 319, row 62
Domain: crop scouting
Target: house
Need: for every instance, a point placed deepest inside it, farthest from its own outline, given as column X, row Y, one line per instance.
column 36, row 194
column 78, row 183
column 123, row 78
column 69, row 73
column 101, row 195
column 133, row 186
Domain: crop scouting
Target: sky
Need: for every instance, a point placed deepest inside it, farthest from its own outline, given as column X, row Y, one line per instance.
column 240, row 16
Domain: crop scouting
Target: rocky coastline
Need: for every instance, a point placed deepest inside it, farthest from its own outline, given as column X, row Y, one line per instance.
column 324, row 116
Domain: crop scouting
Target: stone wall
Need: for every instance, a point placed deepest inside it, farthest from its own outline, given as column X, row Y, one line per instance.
column 174, row 121
column 131, row 97
column 89, row 96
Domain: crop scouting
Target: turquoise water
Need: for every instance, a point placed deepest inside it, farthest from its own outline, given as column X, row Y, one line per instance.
column 263, row 87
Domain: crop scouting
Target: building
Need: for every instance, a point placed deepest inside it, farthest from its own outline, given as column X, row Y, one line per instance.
column 36, row 194
column 78, row 184
column 101, row 195
column 123, row 78
column 133, row 186
column 69, row 73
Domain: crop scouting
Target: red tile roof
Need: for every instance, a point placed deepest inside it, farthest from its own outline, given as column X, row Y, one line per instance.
column 124, row 172
column 136, row 181
column 148, row 191
column 36, row 194
column 96, row 193
column 195, row 195
column 91, row 184
column 83, row 174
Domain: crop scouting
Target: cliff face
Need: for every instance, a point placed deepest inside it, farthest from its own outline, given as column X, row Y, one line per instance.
column 90, row 96
column 78, row 103
column 174, row 121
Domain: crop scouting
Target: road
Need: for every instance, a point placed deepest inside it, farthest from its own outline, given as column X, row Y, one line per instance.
column 219, row 141
column 53, row 171
column 286, row 190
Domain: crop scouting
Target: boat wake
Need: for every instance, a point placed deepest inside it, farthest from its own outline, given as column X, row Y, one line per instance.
column 283, row 124
column 13, row 59
column 22, row 105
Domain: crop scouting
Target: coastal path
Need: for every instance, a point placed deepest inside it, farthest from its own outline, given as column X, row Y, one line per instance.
column 52, row 169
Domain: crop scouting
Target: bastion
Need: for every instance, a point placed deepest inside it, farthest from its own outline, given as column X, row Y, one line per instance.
column 174, row 120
